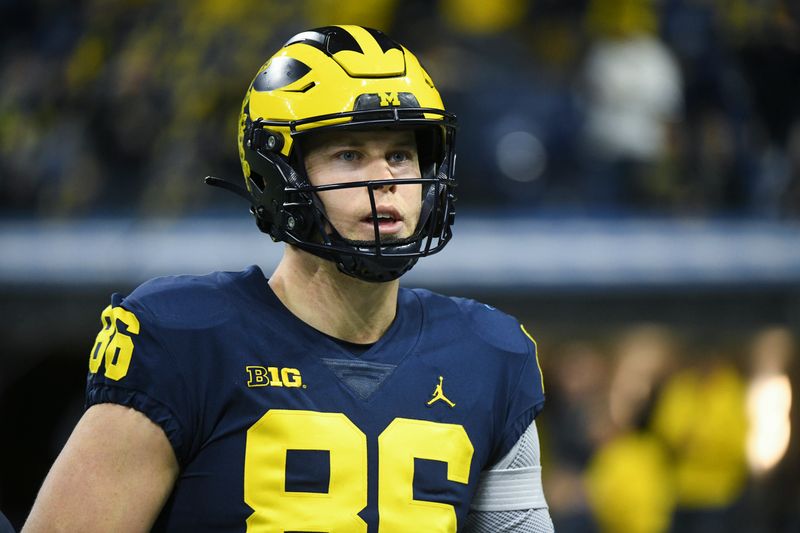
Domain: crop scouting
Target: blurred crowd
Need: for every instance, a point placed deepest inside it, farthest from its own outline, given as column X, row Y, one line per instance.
column 653, row 432
column 679, row 107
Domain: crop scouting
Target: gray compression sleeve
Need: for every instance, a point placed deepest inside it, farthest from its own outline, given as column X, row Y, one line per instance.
column 510, row 496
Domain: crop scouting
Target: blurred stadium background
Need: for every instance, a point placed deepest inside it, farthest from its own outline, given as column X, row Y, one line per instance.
column 630, row 189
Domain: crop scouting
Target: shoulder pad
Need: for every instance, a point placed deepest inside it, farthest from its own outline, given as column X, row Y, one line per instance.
column 493, row 326
column 193, row 302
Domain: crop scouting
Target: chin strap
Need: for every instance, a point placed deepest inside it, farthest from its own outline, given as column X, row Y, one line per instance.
column 229, row 186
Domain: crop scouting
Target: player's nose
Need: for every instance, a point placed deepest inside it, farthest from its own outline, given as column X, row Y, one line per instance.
column 380, row 169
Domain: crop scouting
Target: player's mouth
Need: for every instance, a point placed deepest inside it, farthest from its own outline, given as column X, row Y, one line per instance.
column 390, row 221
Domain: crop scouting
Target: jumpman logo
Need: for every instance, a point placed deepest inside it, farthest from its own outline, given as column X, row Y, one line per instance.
column 438, row 394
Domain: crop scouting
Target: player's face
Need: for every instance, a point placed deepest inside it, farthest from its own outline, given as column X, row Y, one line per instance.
column 346, row 157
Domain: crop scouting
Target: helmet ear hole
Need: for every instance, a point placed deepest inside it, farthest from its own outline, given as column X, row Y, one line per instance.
column 258, row 181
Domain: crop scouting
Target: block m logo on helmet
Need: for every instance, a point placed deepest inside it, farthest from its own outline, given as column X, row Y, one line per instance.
column 389, row 98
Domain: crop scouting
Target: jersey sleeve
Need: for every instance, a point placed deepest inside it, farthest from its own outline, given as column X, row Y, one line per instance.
column 526, row 398
column 131, row 364
column 518, row 389
column 509, row 496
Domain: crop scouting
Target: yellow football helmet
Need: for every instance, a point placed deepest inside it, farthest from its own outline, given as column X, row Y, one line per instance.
column 343, row 77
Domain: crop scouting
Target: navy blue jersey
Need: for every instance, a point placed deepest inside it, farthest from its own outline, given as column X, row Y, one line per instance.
column 278, row 428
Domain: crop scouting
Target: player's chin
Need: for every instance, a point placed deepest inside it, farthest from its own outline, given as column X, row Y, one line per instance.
column 386, row 240
column 365, row 232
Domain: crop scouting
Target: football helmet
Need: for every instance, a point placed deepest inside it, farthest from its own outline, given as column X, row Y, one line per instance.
column 333, row 78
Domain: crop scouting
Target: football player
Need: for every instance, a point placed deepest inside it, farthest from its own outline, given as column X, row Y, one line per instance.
column 324, row 398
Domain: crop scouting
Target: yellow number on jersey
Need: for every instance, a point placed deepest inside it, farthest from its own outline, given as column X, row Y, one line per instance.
column 399, row 444
column 112, row 346
column 276, row 510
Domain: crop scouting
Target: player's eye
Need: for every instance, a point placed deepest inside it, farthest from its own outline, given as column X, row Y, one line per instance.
column 399, row 157
column 347, row 155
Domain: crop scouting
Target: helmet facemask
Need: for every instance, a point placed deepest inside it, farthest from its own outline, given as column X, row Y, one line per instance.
column 297, row 215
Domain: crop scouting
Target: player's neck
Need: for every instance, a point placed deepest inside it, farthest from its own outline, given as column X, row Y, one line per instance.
column 334, row 303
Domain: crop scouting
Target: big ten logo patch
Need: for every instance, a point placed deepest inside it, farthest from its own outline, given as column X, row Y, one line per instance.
column 273, row 376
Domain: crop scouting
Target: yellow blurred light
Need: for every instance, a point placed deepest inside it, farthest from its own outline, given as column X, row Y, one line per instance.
column 478, row 17
column 769, row 401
